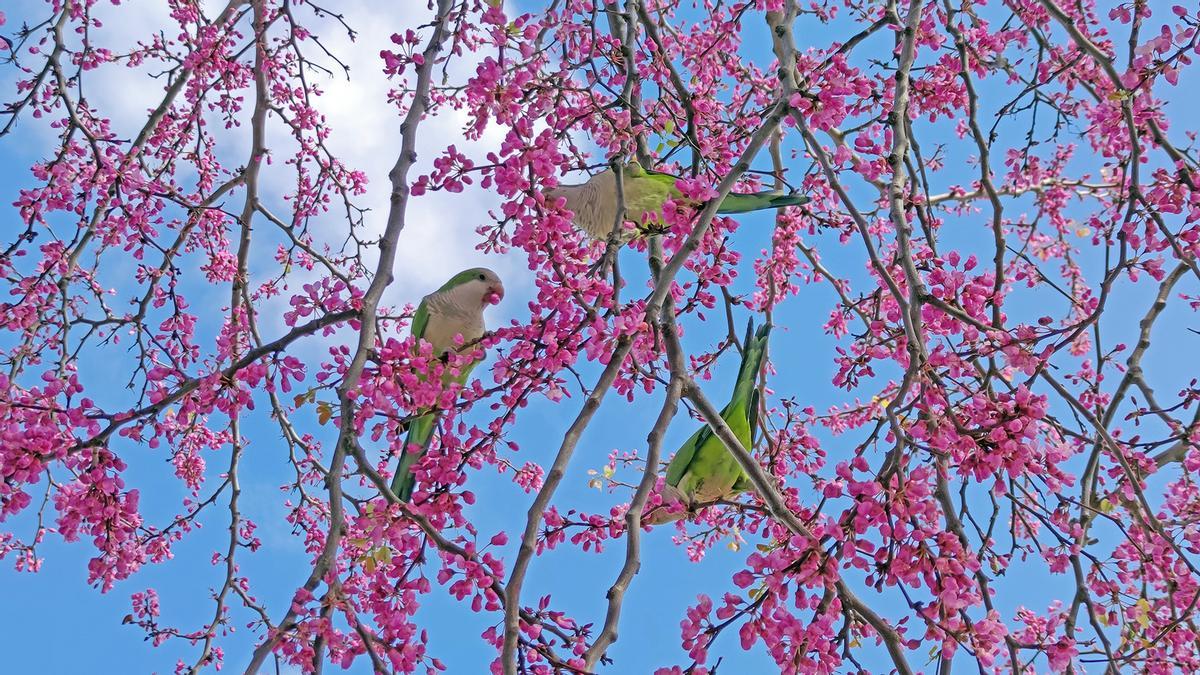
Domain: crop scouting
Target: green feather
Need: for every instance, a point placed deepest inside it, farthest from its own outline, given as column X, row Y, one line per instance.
column 703, row 466
column 460, row 279
column 635, row 172
column 420, row 433
column 683, row 458
column 713, row 471
column 743, row 203
column 754, row 349
column 420, row 430
column 420, row 320
column 640, row 184
column 742, row 484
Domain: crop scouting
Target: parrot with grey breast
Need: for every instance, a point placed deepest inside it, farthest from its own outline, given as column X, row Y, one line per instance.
column 452, row 310
column 594, row 203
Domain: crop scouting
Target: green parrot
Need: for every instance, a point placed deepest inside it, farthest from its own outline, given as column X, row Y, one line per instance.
column 594, row 203
column 704, row 470
column 454, row 309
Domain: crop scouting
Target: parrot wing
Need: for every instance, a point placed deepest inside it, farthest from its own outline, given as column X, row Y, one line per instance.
column 683, row 457
column 420, row 320
column 734, row 202
column 746, row 202
column 420, row 433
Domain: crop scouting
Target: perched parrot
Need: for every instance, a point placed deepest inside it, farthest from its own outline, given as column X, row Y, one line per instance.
column 704, row 470
column 594, row 203
column 454, row 309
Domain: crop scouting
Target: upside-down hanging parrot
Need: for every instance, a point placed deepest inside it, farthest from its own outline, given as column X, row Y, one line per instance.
column 703, row 470
column 594, row 203
column 454, row 309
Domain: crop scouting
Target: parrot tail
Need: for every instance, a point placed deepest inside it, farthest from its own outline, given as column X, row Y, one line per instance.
column 754, row 349
column 420, row 432
column 773, row 199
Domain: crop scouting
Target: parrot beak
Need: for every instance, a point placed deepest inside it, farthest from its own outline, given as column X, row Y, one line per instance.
column 494, row 295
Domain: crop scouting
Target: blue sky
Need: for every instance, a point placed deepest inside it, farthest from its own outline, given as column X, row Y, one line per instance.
column 63, row 626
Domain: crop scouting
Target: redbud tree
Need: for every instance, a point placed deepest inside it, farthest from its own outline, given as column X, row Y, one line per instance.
column 1000, row 247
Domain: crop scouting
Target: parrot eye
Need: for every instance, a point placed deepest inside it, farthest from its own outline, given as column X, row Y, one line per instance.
column 481, row 277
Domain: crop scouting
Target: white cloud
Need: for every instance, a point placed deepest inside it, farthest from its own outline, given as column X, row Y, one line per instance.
column 439, row 237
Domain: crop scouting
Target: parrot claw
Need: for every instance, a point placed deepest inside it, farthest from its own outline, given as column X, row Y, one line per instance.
column 653, row 228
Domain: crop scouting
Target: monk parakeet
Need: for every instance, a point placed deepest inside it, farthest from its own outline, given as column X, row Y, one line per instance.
column 704, row 470
column 454, row 309
column 594, row 203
